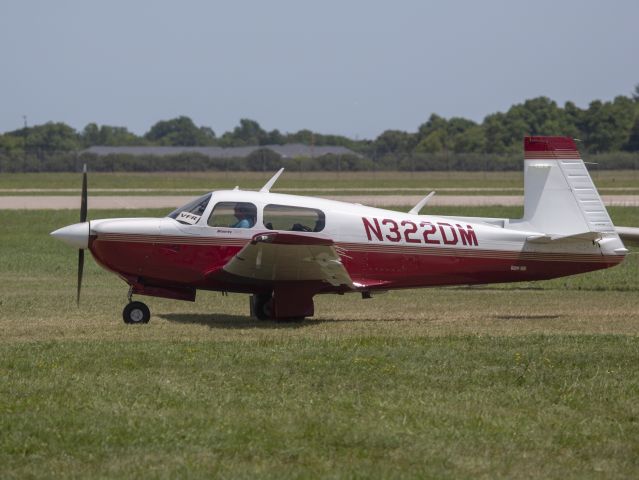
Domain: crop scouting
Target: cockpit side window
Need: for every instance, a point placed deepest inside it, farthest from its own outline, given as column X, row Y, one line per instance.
column 191, row 213
column 296, row 219
column 233, row 215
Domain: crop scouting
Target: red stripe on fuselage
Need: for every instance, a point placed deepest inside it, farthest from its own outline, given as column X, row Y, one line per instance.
column 170, row 239
column 472, row 252
column 200, row 264
column 415, row 270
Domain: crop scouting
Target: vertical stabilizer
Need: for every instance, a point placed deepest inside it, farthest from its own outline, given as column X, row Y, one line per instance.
column 559, row 195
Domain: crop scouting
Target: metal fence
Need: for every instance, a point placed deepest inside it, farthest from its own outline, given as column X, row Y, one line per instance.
column 265, row 161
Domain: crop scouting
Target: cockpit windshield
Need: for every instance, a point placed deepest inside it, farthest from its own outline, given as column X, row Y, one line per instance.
column 191, row 213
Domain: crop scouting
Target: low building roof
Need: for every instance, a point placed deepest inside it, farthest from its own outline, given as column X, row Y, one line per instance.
column 291, row 150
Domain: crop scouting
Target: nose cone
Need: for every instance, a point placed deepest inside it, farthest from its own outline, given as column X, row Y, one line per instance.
column 76, row 235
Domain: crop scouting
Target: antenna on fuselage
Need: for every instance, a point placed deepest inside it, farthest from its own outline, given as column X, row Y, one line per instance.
column 415, row 210
column 267, row 187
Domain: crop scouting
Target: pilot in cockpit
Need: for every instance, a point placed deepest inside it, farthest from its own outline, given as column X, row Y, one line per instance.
column 245, row 218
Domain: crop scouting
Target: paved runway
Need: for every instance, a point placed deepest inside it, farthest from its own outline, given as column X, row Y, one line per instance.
column 59, row 202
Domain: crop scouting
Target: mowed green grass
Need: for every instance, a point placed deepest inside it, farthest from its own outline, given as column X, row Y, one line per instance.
column 495, row 183
column 507, row 381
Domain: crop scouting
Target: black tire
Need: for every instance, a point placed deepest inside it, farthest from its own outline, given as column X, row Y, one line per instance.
column 263, row 306
column 136, row 313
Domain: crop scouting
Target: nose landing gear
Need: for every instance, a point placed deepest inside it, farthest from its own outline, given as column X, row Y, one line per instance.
column 135, row 312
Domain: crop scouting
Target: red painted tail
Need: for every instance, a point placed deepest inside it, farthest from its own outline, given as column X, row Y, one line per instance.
column 548, row 148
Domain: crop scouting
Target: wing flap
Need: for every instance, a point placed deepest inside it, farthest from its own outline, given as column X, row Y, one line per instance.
column 277, row 256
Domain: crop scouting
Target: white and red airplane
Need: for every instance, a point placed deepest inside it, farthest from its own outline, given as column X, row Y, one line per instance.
column 285, row 249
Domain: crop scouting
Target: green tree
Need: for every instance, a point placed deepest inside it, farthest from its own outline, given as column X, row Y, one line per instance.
column 247, row 133
column 434, row 123
column 180, row 131
column 11, row 144
column 439, row 134
column 274, row 137
column 632, row 145
column 457, row 138
column 434, row 142
column 607, row 125
column 48, row 138
column 207, row 136
column 302, row 136
column 575, row 117
column 393, row 142
column 537, row 116
column 108, row 135
column 496, row 133
column 471, row 140
column 432, row 136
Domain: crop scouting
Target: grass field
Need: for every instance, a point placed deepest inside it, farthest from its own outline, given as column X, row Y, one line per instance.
column 508, row 381
column 491, row 183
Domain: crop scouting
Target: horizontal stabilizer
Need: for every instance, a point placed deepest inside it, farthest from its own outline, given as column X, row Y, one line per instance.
column 554, row 238
column 629, row 235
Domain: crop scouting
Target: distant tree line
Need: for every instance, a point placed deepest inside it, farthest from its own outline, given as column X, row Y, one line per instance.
column 608, row 131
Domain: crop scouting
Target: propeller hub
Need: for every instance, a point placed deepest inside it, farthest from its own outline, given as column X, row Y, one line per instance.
column 76, row 235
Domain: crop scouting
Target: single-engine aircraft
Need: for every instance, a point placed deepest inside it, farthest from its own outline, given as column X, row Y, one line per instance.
column 285, row 249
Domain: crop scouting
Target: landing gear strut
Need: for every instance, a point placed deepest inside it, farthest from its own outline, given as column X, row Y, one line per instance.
column 262, row 306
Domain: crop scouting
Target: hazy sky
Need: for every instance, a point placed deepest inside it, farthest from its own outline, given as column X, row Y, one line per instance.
column 348, row 67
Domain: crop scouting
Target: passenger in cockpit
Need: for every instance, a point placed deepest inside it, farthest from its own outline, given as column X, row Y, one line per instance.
column 244, row 217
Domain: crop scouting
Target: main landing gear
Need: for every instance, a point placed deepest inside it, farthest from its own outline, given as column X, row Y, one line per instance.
column 270, row 306
column 262, row 306
column 135, row 312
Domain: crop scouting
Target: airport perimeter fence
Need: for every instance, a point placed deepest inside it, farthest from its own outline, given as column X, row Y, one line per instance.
column 265, row 160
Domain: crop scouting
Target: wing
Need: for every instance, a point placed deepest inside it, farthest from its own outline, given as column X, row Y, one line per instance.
column 277, row 256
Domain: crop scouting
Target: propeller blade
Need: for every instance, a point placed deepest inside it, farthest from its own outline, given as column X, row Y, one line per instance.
column 83, row 218
column 80, row 271
column 83, row 205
